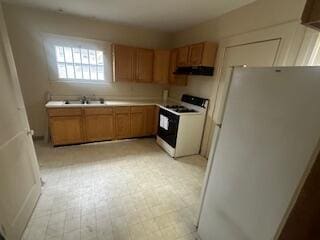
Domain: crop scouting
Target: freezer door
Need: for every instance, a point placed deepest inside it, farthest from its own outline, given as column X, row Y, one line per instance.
column 263, row 152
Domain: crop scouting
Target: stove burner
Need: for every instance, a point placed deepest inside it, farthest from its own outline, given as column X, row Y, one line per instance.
column 174, row 106
column 180, row 109
column 185, row 110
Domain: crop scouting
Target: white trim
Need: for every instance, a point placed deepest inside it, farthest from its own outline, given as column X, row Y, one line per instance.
column 309, row 48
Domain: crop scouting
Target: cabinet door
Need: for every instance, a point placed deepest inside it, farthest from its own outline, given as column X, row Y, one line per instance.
column 150, row 120
column 161, row 66
column 122, row 122
column 123, row 63
column 183, row 53
column 144, row 65
column 138, row 117
column 195, row 54
column 66, row 130
column 173, row 78
column 99, row 127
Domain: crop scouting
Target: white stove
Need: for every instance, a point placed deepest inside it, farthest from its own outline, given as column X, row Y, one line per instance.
column 181, row 126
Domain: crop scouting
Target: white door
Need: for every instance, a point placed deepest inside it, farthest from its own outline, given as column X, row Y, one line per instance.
column 19, row 171
column 258, row 54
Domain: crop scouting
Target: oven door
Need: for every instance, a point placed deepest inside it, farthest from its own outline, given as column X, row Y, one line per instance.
column 169, row 135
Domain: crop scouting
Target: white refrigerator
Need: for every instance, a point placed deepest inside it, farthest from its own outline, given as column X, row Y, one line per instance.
column 268, row 140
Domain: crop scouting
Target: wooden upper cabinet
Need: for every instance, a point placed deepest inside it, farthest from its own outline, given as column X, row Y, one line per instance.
column 195, row 54
column 123, row 63
column 173, row 78
column 199, row 54
column 122, row 122
column 144, row 65
column 158, row 66
column 161, row 66
column 209, row 53
column 182, row 58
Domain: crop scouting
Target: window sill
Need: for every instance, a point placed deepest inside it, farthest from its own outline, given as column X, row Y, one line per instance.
column 93, row 82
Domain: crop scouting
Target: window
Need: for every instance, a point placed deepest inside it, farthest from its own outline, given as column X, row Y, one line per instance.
column 75, row 60
column 79, row 63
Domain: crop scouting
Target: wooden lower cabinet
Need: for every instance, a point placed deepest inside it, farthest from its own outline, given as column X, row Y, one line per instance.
column 138, row 121
column 66, row 130
column 71, row 126
column 122, row 122
column 99, row 127
column 99, row 124
column 151, row 120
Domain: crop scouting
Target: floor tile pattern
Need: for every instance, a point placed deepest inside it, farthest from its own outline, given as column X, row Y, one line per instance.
column 126, row 190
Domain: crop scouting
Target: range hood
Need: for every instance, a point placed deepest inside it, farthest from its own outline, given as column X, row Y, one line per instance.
column 195, row 70
column 311, row 14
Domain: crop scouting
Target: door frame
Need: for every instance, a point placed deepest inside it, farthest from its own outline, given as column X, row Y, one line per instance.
column 291, row 35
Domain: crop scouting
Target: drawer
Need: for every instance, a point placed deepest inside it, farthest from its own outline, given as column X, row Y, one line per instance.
column 98, row 111
column 121, row 109
column 138, row 109
column 53, row 112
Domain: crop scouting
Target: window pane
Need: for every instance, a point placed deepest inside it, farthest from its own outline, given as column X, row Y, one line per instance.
column 100, row 73
column 92, row 57
column 84, row 56
column 78, row 71
column 68, row 54
column 99, row 57
column 93, row 72
column 85, row 71
column 78, row 63
column 59, row 54
column 76, row 55
column 62, row 70
column 70, row 71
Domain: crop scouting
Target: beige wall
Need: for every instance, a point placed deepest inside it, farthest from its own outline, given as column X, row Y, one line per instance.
column 255, row 16
column 243, row 23
column 26, row 26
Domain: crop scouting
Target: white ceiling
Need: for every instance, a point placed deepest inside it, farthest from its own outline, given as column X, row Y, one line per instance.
column 165, row 15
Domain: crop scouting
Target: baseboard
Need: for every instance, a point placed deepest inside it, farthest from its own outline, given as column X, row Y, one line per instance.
column 37, row 138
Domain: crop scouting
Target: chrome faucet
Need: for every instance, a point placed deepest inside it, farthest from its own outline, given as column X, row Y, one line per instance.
column 83, row 100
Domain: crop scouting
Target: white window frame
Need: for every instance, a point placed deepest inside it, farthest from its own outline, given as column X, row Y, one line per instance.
column 51, row 40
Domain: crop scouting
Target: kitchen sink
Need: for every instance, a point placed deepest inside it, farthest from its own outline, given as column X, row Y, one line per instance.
column 86, row 102
column 72, row 102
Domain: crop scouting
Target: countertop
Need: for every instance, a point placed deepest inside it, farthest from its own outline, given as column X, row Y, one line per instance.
column 110, row 103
